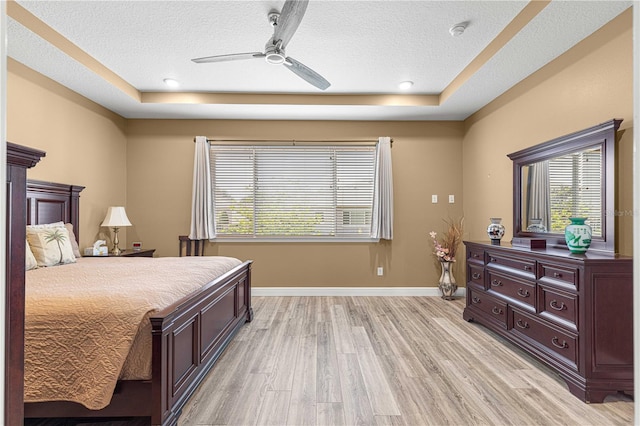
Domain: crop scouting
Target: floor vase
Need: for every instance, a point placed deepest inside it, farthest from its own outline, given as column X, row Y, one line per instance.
column 447, row 283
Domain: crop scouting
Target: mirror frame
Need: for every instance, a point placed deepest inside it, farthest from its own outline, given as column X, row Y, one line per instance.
column 602, row 135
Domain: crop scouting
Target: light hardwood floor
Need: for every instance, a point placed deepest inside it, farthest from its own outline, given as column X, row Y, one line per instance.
column 382, row 361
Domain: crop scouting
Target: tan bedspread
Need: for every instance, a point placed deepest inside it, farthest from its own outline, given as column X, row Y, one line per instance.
column 81, row 320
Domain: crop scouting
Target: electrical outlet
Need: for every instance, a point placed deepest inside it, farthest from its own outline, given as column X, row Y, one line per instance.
column 452, row 199
column 380, row 271
column 434, row 199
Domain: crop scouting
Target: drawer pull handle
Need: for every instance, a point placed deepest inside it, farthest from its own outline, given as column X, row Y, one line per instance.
column 497, row 310
column 475, row 275
column 554, row 305
column 557, row 275
column 493, row 259
column 496, row 283
column 528, row 268
column 523, row 293
column 522, row 324
column 475, row 299
column 557, row 343
column 476, row 255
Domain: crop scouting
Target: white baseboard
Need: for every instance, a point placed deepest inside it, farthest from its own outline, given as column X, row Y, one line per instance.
column 350, row 291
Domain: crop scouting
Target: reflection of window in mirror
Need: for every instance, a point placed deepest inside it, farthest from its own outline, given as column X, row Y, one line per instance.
column 575, row 189
column 563, row 187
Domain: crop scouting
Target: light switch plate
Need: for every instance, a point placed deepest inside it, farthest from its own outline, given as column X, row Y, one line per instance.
column 434, row 199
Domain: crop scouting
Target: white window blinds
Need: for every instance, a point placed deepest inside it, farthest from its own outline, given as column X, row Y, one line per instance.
column 575, row 189
column 300, row 191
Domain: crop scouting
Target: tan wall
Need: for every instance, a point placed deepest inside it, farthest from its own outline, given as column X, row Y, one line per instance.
column 426, row 160
column 85, row 143
column 147, row 164
column 588, row 85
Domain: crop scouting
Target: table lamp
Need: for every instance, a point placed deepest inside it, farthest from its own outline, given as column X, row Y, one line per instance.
column 116, row 218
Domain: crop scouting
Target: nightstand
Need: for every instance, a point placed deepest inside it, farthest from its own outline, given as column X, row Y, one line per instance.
column 130, row 253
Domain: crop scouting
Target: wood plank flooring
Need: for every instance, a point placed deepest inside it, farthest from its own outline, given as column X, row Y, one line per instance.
column 378, row 361
column 382, row 361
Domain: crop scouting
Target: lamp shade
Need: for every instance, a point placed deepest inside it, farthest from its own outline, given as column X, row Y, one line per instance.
column 116, row 217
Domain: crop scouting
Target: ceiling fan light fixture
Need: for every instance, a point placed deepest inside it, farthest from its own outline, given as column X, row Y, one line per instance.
column 273, row 53
column 274, row 58
column 173, row 83
column 405, row 85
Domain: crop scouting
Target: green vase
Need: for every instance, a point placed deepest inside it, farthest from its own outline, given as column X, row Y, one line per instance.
column 578, row 235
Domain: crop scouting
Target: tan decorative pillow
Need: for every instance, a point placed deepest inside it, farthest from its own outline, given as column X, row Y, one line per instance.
column 30, row 260
column 74, row 241
column 50, row 246
column 72, row 235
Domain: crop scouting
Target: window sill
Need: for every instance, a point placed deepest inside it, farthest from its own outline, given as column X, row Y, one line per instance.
column 294, row 240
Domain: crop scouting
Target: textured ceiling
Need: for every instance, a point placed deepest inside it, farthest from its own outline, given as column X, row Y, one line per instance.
column 363, row 48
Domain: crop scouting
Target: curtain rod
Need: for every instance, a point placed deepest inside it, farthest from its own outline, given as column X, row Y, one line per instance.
column 293, row 141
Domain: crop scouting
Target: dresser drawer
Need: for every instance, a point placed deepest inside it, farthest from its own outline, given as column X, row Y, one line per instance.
column 558, row 275
column 558, row 306
column 518, row 290
column 475, row 275
column 539, row 333
column 489, row 305
column 475, row 256
column 521, row 266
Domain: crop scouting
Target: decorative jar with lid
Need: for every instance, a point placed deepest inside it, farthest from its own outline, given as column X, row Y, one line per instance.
column 495, row 230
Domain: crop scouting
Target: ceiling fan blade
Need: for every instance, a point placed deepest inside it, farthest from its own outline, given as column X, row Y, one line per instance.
column 306, row 73
column 289, row 20
column 231, row 57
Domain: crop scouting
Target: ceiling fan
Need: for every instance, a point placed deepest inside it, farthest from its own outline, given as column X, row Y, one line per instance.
column 284, row 25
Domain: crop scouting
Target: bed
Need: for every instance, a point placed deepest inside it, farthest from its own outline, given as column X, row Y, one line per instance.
column 187, row 337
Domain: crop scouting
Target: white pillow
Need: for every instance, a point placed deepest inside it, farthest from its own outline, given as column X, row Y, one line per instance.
column 50, row 245
column 30, row 260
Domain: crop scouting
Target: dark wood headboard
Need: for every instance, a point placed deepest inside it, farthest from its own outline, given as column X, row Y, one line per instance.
column 49, row 202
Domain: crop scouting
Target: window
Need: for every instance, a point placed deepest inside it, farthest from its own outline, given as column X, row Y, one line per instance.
column 575, row 189
column 304, row 191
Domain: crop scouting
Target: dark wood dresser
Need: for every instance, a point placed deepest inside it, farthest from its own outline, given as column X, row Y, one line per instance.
column 572, row 312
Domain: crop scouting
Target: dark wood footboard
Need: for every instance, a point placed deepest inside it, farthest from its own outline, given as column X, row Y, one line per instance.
column 189, row 336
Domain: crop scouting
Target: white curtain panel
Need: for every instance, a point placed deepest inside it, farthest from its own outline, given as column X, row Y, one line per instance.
column 382, row 215
column 202, row 217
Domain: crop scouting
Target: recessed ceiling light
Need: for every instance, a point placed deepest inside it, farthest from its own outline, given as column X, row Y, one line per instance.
column 405, row 85
column 171, row 82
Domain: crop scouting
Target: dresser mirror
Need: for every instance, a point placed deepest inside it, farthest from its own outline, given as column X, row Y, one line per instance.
column 570, row 176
